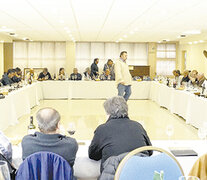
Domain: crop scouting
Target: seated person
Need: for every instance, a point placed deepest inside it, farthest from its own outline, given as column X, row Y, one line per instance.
column 5, row 147
column 31, row 75
column 75, row 76
column 185, row 77
column 200, row 80
column 106, row 76
column 45, row 75
column 110, row 65
column 193, row 76
column 87, row 74
column 49, row 139
column 119, row 134
column 17, row 76
column 7, row 78
column 177, row 77
column 61, row 75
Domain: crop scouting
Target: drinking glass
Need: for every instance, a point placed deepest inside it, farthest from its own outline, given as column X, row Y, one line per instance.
column 188, row 178
column 202, row 133
column 4, row 171
column 169, row 131
column 71, row 128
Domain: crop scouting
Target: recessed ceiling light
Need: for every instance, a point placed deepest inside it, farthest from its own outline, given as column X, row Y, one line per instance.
column 125, row 36
column 159, row 41
column 201, row 41
column 190, row 43
column 3, row 27
column 116, row 41
column 1, row 41
column 195, row 42
column 31, row 40
column 120, row 39
column 61, row 21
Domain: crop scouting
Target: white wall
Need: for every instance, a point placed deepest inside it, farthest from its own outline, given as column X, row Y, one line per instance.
column 1, row 59
column 195, row 58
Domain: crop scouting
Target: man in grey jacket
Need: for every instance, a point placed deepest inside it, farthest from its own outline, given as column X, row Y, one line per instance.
column 49, row 139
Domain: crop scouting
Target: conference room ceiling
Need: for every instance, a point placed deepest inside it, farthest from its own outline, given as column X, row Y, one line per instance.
column 104, row 20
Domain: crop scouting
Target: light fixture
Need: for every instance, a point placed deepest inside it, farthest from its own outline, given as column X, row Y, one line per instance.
column 62, row 21
column 159, row 41
column 190, row 43
column 1, row 41
column 3, row 27
column 201, row 41
column 195, row 42
column 125, row 36
column 117, row 41
column 136, row 29
column 25, row 39
column 120, row 39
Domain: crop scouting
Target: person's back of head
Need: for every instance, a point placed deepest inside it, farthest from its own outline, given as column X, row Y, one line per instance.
column 116, row 107
column 48, row 120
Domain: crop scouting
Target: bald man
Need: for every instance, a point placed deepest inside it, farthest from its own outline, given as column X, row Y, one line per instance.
column 49, row 139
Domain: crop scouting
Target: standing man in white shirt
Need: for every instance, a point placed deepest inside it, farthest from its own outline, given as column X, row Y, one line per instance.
column 122, row 76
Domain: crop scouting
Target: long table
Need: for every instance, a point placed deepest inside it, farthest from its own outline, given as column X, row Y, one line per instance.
column 20, row 102
column 87, row 169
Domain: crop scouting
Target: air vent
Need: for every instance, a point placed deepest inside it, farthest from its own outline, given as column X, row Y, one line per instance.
column 182, row 35
column 12, row 34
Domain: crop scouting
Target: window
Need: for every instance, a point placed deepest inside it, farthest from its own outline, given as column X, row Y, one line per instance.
column 87, row 52
column 39, row 55
column 166, row 59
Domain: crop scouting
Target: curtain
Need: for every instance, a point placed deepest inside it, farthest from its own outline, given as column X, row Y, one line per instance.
column 86, row 52
column 39, row 55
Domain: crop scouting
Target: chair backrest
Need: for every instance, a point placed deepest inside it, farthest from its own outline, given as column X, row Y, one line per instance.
column 136, row 167
column 199, row 168
column 44, row 166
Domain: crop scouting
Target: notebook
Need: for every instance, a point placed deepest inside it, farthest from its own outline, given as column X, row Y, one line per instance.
column 183, row 152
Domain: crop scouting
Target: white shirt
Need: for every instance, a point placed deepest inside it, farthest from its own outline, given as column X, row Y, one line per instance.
column 122, row 74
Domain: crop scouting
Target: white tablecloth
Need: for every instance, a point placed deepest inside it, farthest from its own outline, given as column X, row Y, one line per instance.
column 183, row 103
column 90, row 90
column 19, row 103
column 85, row 168
column 191, row 107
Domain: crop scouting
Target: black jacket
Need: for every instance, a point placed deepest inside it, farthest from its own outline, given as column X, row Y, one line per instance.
column 94, row 69
column 41, row 75
column 75, row 77
column 6, row 80
column 117, row 136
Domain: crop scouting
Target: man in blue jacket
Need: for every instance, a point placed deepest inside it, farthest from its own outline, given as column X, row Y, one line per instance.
column 7, row 77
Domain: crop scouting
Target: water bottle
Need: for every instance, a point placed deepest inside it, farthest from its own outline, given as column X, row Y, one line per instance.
column 31, row 128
